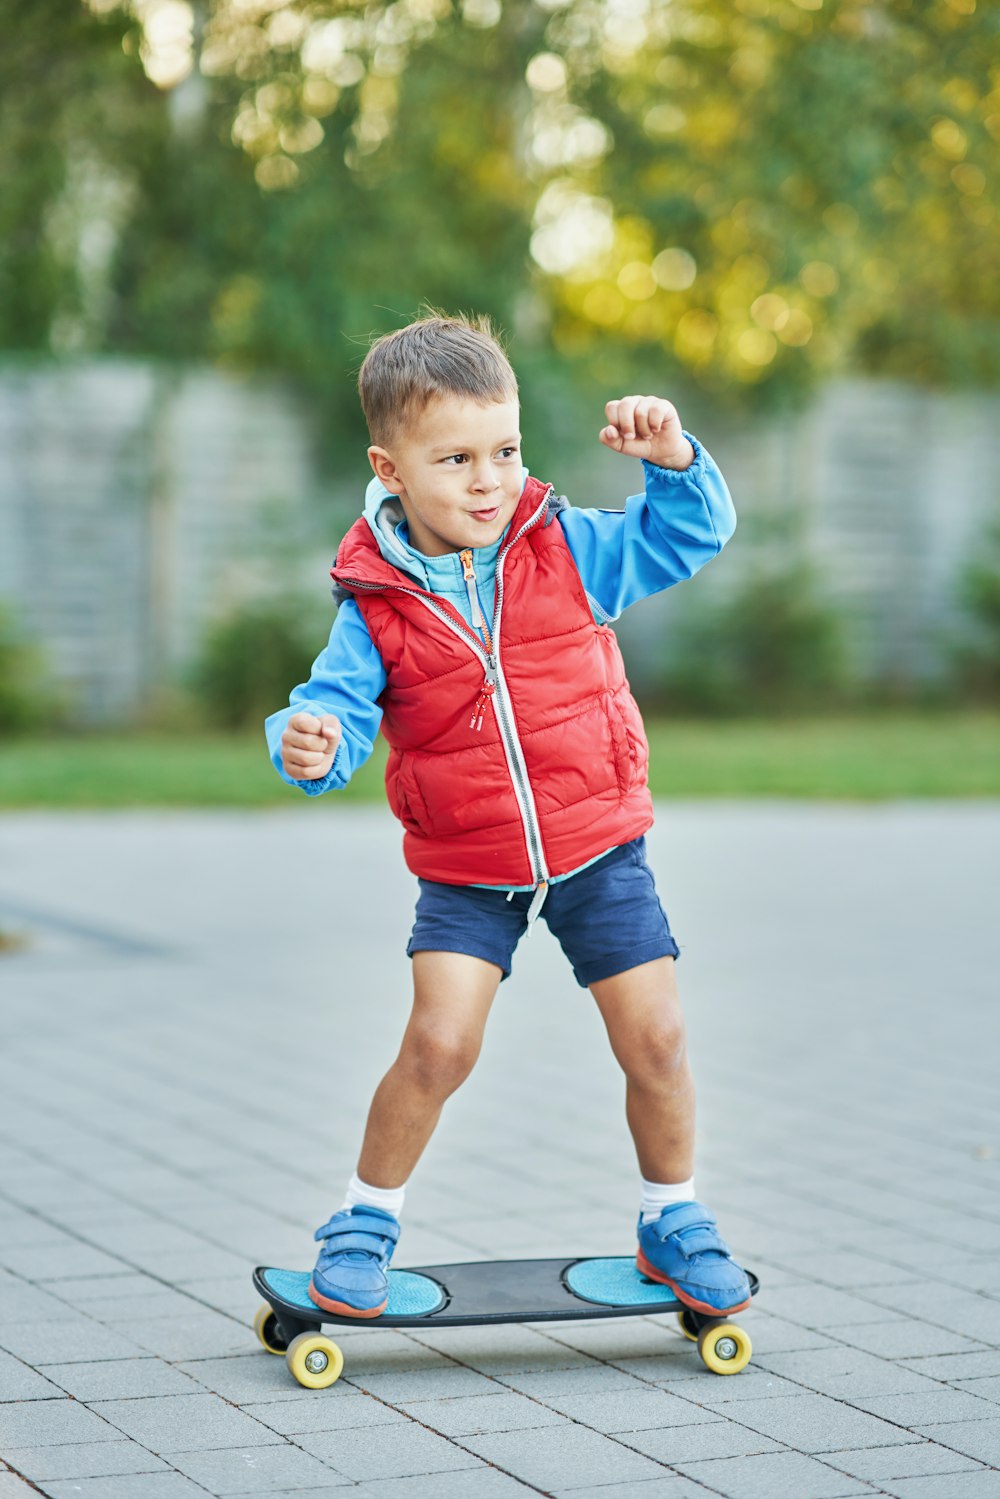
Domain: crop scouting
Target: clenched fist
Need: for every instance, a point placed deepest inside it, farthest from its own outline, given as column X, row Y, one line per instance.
column 647, row 427
column 308, row 746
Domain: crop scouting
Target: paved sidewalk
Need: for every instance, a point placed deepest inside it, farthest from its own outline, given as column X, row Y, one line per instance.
column 187, row 1048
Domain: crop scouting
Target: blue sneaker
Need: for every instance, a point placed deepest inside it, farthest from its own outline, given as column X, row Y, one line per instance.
column 684, row 1250
column 351, row 1275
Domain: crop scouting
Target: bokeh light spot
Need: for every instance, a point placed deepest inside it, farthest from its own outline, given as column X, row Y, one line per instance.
column 819, row 278
column 637, row 281
column 674, row 269
column 546, row 73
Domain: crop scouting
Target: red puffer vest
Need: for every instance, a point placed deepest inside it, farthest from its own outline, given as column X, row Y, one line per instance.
column 556, row 772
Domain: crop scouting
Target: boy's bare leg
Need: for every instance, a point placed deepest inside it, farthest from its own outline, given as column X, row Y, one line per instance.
column 641, row 1010
column 452, row 995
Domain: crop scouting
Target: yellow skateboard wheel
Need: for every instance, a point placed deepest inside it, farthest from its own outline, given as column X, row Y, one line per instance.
column 687, row 1326
column 315, row 1360
column 725, row 1348
column 265, row 1325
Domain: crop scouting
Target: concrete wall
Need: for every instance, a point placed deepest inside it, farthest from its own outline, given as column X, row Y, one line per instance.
column 135, row 504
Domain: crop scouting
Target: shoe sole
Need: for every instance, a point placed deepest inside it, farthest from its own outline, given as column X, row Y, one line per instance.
column 643, row 1265
column 341, row 1308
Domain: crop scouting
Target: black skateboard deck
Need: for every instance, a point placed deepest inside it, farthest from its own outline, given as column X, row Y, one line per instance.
column 480, row 1293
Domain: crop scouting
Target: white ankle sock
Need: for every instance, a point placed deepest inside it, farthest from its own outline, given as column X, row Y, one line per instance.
column 658, row 1195
column 360, row 1194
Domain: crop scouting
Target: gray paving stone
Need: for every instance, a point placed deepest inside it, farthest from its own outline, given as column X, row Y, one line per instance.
column 584, row 1379
column 77, row 1340
column 986, row 1389
column 401, row 1450
column 132, row 1486
column 914, row 1460
column 750, row 1384
column 128, row 1378
column 778, row 1335
column 469, row 1415
column 83, row 1460
column 256, row 1470
column 500, row 1350
column 244, row 1377
column 848, row 1373
column 771, row 1474
column 822, row 1307
column 198, row 1334
column 672, row 1486
column 13, row 1487
column 183, row 1423
column 815, row 1423
column 440, row 1382
column 979, row 1439
column 43, row 1423
column 324, row 1411
column 21, row 1302
column 334, row 1488
column 66, row 1261
column 687, row 1444
column 905, row 1338
column 954, row 1367
column 980, row 1485
column 629, row 1410
column 468, row 1483
column 918, row 1411
column 563, row 1457
column 19, row 1382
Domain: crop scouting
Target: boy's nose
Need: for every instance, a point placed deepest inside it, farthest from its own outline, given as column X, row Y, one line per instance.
column 485, row 480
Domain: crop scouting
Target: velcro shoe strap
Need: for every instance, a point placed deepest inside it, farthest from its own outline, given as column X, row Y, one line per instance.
column 687, row 1215
column 339, row 1243
column 381, row 1226
column 704, row 1240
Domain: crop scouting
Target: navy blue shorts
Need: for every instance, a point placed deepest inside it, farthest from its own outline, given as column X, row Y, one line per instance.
column 607, row 918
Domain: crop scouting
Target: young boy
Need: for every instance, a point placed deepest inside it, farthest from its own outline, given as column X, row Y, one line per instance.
column 473, row 627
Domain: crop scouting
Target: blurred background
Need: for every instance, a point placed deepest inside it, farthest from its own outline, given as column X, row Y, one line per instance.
column 782, row 214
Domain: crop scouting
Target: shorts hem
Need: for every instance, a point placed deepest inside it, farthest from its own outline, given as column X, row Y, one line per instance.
column 467, row 949
column 621, row 962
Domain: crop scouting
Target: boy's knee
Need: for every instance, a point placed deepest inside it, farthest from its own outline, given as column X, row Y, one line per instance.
column 657, row 1050
column 439, row 1060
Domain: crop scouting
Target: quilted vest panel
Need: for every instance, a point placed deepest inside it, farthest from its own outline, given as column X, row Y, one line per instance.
column 580, row 731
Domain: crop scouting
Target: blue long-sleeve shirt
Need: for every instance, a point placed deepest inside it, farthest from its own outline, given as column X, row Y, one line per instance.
column 660, row 537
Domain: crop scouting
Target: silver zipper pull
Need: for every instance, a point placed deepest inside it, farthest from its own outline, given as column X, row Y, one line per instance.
column 469, row 574
column 537, row 902
column 485, row 694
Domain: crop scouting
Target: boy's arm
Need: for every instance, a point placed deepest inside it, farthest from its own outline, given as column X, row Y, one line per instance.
column 683, row 519
column 347, row 677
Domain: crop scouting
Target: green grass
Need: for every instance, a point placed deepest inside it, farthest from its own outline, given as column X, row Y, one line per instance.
column 868, row 758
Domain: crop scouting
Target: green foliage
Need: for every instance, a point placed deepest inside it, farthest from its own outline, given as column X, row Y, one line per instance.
column 978, row 655
column 24, row 694
column 786, row 189
column 775, row 646
column 252, row 659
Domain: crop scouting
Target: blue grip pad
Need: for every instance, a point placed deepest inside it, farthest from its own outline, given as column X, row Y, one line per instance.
column 409, row 1295
column 615, row 1282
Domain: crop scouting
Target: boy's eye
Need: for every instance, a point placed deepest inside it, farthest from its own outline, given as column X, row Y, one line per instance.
column 507, row 452
column 456, row 458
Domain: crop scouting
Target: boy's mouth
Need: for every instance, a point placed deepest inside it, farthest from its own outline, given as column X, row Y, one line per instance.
column 486, row 515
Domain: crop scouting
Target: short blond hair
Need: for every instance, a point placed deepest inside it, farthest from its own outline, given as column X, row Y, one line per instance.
column 433, row 356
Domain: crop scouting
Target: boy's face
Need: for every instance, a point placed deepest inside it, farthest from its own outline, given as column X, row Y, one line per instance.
column 457, row 470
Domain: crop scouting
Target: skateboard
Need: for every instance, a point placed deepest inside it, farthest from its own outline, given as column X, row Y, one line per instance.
column 478, row 1293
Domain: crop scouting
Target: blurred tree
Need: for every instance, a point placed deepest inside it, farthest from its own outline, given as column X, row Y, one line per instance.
column 785, row 188
column 759, row 192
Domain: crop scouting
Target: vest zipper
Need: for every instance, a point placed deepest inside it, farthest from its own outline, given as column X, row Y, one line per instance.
column 495, row 690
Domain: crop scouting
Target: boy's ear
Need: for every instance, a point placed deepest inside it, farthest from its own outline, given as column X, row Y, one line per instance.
column 385, row 469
